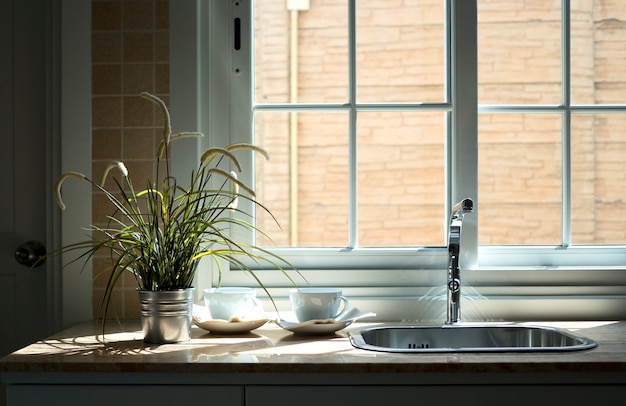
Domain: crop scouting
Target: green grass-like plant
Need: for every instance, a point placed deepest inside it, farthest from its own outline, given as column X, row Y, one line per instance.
column 160, row 233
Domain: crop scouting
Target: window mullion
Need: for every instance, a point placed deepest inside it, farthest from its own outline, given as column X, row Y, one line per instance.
column 463, row 168
column 567, row 135
column 352, row 142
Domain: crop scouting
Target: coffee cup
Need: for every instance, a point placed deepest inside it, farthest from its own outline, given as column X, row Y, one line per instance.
column 232, row 302
column 317, row 303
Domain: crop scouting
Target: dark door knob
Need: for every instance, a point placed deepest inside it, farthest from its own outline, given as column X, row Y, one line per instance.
column 31, row 253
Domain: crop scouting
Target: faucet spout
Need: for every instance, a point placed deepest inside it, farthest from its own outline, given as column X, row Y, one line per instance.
column 454, row 250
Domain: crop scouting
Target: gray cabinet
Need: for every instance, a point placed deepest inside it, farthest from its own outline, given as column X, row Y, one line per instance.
column 466, row 395
column 120, row 395
column 267, row 390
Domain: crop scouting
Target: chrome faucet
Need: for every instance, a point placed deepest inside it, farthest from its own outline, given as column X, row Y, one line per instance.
column 454, row 250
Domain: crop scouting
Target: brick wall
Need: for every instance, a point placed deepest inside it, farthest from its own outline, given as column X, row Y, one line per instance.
column 401, row 189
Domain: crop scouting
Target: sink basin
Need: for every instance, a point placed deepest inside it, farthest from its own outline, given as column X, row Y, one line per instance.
column 467, row 338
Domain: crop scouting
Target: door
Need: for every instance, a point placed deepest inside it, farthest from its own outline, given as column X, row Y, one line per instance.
column 25, row 127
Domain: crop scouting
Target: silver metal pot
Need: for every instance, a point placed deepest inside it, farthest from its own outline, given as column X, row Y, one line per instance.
column 166, row 315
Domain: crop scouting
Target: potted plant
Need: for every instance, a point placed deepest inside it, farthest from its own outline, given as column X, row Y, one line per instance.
column 160, row 233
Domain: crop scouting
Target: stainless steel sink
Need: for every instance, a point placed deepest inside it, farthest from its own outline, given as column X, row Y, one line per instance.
column 468, row 338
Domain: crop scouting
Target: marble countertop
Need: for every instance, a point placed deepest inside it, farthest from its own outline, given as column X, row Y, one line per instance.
column 270, row 349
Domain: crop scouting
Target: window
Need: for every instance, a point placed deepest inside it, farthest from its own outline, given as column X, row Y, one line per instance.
column 514, row 104
column 546, row 124
column 355, row 102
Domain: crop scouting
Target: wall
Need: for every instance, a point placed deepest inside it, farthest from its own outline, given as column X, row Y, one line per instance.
column 130, row 54
column 401, row 189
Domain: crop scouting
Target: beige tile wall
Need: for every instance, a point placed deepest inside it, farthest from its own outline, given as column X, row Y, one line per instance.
column 130, row 54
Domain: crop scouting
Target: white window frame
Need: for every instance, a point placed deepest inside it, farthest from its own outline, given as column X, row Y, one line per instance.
column 564, row 282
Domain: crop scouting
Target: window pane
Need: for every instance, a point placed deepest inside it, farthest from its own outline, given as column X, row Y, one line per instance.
column 519, row 172
column 598, row 53
column 519, row 52
column 321, row 196
column 400, row 51
column 598, row 179
column 401, row 178
column 272, row 133
column 320, row 73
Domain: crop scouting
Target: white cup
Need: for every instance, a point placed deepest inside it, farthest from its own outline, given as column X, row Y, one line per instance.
column 228, row 302
column 317, row 303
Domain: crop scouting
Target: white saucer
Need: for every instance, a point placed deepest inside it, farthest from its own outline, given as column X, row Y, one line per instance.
column 324, row 327
column 233, row 326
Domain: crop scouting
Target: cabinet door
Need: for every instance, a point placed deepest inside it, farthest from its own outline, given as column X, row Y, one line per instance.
column 466, row 395
column 119, row 395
